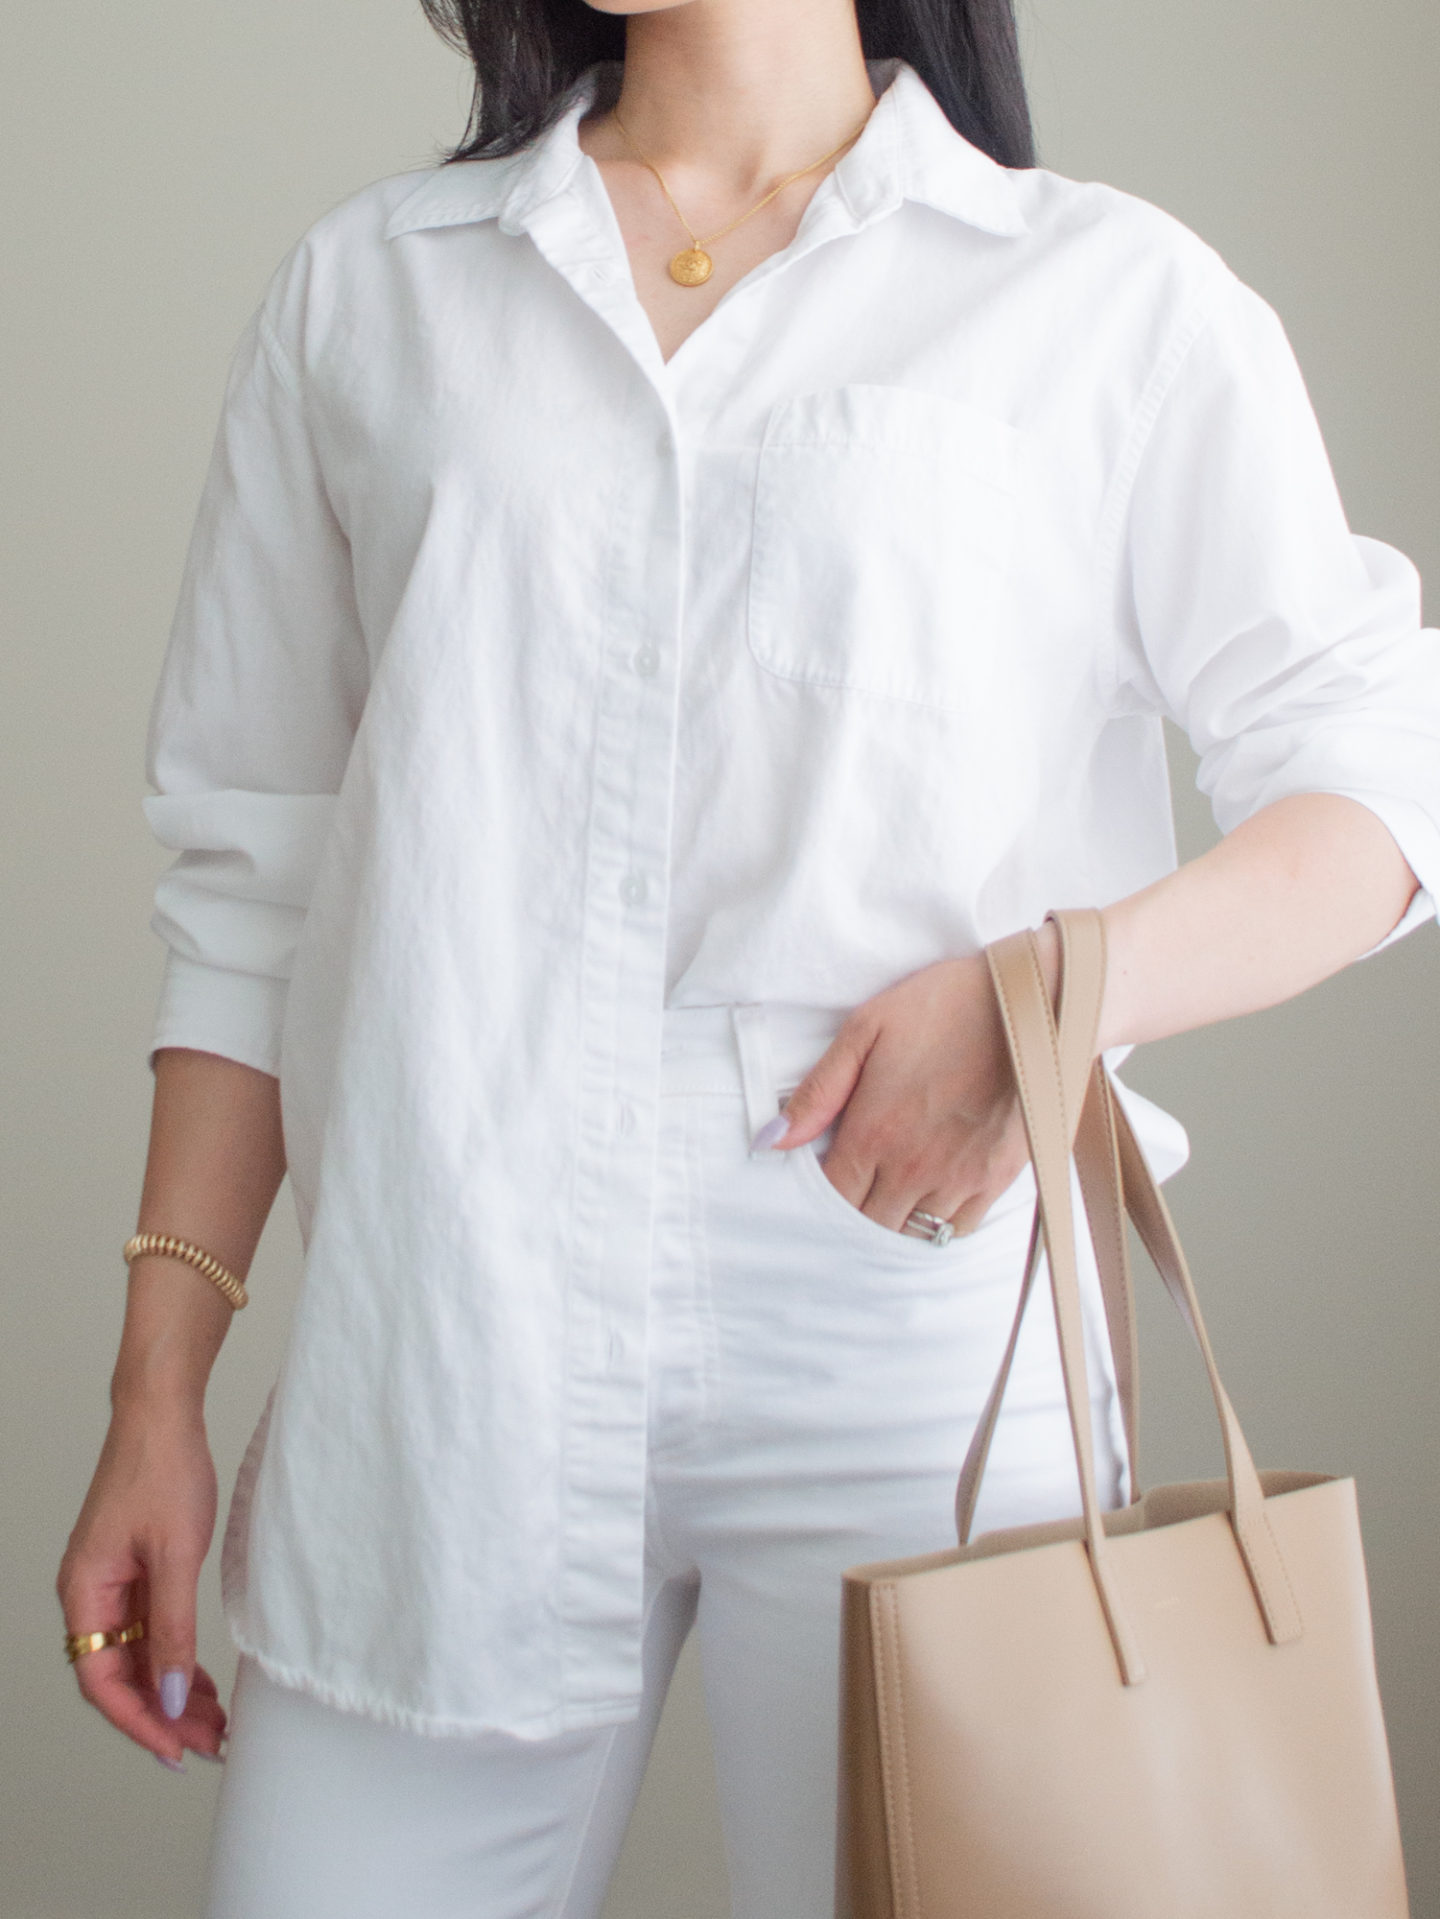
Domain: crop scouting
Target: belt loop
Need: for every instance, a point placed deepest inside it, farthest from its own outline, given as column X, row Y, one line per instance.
column 752, row 1042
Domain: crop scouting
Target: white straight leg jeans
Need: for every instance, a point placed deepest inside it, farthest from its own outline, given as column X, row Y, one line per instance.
column 814, row 1381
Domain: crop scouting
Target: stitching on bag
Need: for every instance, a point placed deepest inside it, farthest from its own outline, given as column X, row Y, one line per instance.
column 1115, row 1221
column 1050, row 1030
column 1259, row 1577
column 884, row 1709
column 1254, row 1570
column 901, row 1767
column 1284, row 1569
column 1021, row 1085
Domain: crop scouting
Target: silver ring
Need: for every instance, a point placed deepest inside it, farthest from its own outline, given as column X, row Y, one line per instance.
column 928, row 1226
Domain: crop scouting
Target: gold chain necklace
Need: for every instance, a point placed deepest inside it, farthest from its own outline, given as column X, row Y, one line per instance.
column 692, row 266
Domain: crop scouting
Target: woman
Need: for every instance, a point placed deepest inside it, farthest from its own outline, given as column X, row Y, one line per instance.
column 671, row 587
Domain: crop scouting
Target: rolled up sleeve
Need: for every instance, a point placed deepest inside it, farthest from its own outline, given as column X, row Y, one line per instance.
column 1289, row 649
column 254, row 715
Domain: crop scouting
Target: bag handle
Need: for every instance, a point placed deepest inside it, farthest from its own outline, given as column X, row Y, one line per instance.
column 1042, row 1061
column 1082, row 978
column 1249, row 1521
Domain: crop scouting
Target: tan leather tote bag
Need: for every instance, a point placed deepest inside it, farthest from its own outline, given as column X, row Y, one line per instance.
column 1164, row 1712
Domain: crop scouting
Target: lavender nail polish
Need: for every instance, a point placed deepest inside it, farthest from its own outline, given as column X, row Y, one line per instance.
column 174, row 1691
column 770, row 1134
column 171, row 1765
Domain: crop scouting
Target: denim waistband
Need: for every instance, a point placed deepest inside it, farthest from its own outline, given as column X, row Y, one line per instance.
column 706, row 1049
column 761, row 1050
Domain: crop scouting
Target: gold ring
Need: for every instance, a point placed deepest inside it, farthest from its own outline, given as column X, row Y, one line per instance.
column 77, row 1644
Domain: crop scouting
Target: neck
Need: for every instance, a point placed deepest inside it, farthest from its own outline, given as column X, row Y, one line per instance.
column 743, row 90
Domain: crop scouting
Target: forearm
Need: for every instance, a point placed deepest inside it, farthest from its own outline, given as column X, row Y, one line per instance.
column 215, row 1162
column 1291, row 896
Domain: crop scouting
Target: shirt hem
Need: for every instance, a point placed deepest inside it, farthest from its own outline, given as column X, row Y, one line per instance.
column 390, row 1712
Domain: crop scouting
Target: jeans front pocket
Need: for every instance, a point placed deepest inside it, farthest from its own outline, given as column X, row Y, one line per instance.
column 865, row 1233
column 823, row 1198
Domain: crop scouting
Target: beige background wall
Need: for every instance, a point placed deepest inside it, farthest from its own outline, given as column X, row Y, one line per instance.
column 159, row 156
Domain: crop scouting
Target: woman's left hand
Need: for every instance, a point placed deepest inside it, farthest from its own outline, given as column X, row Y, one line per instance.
column 921, row 1080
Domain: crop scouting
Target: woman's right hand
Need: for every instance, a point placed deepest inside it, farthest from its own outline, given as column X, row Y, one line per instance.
column 217, row 1156
column 136, row 1553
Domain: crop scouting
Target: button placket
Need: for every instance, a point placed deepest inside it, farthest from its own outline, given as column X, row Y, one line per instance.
column 623, row 992
column 564, row 229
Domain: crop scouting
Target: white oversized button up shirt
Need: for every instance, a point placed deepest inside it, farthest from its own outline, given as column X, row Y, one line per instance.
column 523, row 685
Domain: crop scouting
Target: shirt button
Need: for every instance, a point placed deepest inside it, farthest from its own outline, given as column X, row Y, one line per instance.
column 664, row 446
column 624, row 1117
column 633, row 889
column 646, row 661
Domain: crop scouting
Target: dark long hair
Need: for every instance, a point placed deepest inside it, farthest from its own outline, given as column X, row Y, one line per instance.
column 528, row 53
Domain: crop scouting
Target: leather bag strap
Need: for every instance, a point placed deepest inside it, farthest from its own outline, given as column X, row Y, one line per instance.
column 1082, row 966
column 1151, row 1215
column 1082, row 952
column 1042, row 1062
column 1081, row 962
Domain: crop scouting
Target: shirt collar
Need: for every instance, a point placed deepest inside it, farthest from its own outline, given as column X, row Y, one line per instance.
column 907, row 151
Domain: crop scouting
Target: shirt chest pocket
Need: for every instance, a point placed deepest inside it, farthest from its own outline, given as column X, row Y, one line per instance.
column 884, row 536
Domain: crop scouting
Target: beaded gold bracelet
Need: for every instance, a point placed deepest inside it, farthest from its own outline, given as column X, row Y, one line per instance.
column 165, row 1246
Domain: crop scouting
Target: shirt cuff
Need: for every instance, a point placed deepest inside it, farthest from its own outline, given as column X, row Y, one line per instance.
column 1418, row 838
column 214, row 1010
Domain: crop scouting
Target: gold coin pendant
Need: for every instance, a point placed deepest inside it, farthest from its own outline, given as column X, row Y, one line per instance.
column 691, row 267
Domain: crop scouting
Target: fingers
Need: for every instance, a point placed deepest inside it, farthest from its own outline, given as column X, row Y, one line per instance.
column 203, row 1727
column 823, row 1091
column 117, row 1683
column 131, row 1685
column 115, row 1686
column 170, row 1636
column 99, row 1595
column 887, row 1159
column 891, row 1199
column 889, row 1177
column 970, row 1214
column 921, row 1099
column 898, row 1192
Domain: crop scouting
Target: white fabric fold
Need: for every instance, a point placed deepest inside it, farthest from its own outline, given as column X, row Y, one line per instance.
column 212, row 1009
column 231, row 910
